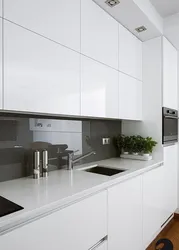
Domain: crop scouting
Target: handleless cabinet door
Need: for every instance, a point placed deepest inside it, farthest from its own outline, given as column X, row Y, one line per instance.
column 130, row 53
column 130, row 98
column 58, row 20
column 99, row 34
column 40, row 75
column 153, row 195
column 76, row 227
column 169, row 75
column 0, row 8
column 99, row 86
column 170, row 176
column 125, row 215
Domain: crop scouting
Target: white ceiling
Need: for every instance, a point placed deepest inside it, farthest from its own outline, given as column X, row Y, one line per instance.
column 166, row 7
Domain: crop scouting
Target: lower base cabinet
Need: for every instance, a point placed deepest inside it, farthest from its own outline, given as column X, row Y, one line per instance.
column 153, row 195
column 170, row 179
column 125, row 215
column 79, row 226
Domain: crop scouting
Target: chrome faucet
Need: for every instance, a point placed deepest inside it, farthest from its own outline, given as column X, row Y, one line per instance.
column 72, row 161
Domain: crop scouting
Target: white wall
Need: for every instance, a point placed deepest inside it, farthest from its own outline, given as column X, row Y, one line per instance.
column 152, row 95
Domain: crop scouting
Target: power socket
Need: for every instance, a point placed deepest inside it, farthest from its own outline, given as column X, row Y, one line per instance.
column 106, row 141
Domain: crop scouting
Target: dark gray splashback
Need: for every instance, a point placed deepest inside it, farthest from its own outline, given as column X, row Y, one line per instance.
column 20, row 136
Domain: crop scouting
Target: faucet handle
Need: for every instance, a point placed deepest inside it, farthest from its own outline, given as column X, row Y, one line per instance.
column 75, row 152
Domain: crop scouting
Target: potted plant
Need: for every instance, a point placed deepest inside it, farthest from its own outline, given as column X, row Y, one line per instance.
column 148, row 145
column 119, row 143
column 139, row 144
column 127, row 145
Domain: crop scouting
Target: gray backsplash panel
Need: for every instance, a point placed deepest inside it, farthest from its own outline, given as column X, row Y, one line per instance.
column 19, row 137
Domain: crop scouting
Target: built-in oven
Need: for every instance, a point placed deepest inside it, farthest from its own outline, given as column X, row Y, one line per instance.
column 169, row 126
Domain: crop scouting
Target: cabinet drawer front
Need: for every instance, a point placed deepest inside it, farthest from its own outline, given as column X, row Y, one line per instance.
column 79, row 226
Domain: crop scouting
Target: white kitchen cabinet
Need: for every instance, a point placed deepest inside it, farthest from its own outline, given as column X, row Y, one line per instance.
column 130, row 98
column 130, row 53
column 56, row 19
column 170, row 63
column 1, row 8
column 102, row 246
column 170, row 177
column 99, row 89
column 1, row 89
column 99, row 34
column 125, row 215
column 79, row 226
column 153, row 196
column 39, row 75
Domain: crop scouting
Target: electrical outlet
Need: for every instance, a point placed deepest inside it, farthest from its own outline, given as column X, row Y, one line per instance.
column 108, row 140
column 105, row 141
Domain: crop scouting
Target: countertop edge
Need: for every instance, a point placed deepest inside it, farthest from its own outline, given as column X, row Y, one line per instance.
column 41, row 212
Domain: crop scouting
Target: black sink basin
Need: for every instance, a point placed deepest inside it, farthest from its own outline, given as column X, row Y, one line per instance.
column 104, row 170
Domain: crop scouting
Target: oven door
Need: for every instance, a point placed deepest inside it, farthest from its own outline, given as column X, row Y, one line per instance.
column 170, row 129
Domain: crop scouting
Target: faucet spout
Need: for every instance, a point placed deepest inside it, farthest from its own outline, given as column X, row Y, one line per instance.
column 72, row 161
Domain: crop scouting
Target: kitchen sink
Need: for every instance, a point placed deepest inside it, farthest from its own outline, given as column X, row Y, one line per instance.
column 104, row 170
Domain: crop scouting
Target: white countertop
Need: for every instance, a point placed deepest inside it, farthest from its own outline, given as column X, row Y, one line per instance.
column 63, row 187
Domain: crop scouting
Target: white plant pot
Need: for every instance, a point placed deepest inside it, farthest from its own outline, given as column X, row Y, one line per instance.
column 135, row 153
column 126, row 153
column 146, row 155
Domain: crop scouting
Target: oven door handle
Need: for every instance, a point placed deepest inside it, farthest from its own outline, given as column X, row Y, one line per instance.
column 171, row 117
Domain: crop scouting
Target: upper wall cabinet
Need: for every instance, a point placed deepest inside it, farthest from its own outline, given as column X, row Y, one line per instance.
column 130, row 53
column 58, row 20
column 99, row 34
column 130, row 98
column 169, row 75
column 99, row 86
column 39, row 75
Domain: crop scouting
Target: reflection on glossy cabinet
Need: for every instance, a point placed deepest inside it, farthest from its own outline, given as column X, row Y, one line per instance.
column 130, row 98
column 102, row 246
column 99, row 89
column 169, row 75
column 153, row 196
column 125, row 215
column 56, row 19
column 78, row 227
column 40, row 75
column 99, row 34
column 130, row 53
column 170, row 176
column 1, row 92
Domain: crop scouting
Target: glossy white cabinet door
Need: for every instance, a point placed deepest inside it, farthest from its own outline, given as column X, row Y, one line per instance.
column 153, row 196
column 125, row 215
column 99, row 34
column 77, row 227
column 1, row 8
column 40, row 75
column 130, row 98
column 102, row 246
column 130, row 53
column 99, row 89
column 1, row 90
column 169, row 75
column 56, row 19
column 170, row 176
